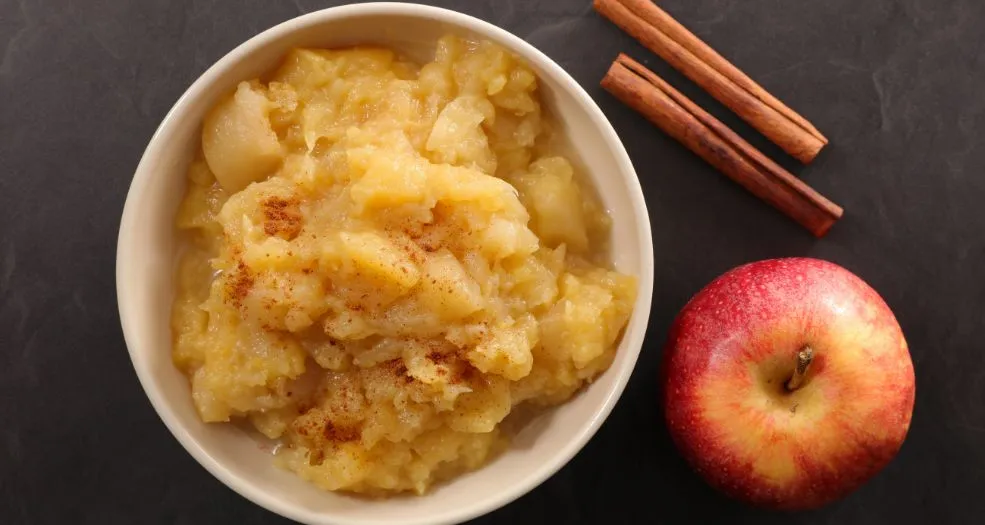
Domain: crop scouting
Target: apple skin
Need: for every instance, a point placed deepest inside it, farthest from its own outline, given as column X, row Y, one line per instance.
column 730, row 354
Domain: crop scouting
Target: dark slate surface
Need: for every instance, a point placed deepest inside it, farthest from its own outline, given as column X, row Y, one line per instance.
column 897, row 85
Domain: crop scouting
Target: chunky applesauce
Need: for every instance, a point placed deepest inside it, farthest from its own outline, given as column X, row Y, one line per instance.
column 383, row 260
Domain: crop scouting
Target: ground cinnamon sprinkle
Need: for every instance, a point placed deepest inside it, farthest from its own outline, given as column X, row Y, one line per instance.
column 397, row 367
column 341, row 433
column 464, row 374
column 239, row 284
column 282, row 217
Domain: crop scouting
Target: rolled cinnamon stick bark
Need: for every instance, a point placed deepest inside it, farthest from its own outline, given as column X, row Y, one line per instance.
column 687, row 53
column 721, row 147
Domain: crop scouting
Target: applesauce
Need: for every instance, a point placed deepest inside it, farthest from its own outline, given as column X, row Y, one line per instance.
column 383, row 260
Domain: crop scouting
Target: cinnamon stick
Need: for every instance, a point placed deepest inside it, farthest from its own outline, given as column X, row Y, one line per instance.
column 721, row 147
column 687, row 53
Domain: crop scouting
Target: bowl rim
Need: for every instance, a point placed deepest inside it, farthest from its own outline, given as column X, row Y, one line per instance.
column 632, row 341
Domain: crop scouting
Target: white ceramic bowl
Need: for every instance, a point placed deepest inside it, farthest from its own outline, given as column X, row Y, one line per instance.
column 146, row 253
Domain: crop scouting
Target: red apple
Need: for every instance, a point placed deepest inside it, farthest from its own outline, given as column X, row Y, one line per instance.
column 787, row 383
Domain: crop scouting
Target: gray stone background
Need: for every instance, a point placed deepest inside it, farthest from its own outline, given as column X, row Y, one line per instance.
column 897, row 85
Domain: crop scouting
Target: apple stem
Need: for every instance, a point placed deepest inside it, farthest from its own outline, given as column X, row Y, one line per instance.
column 804, row 358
